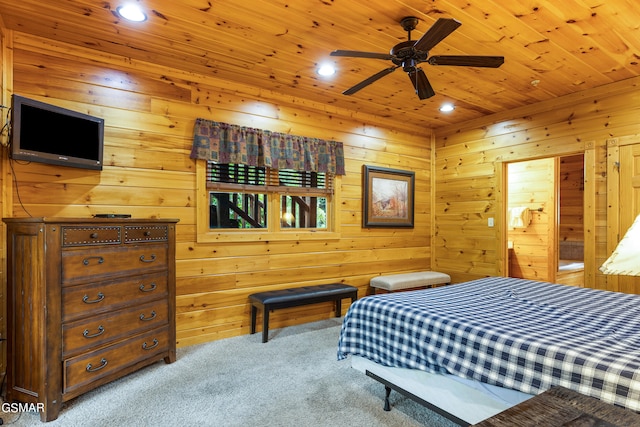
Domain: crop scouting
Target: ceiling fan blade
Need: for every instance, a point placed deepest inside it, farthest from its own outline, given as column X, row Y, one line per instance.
column 368, row 81
column 438, row 31
column 358, row 54
column 467, row 60
column 421, row 83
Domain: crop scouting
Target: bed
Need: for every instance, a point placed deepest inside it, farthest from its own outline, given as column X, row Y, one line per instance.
column 570, row 272
column 570, row 265
column 505, row 337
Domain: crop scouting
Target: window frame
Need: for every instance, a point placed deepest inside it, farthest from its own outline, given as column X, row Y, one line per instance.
column 273, row 231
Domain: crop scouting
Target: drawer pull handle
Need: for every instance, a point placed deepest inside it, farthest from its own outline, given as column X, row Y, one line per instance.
column 103, row 363
column 153, row 258
column 86, row 261
column 146, row 347
column 146, row 319
column 143, row 288
column 86, row 300
column 93, row 235
column 97, row 334
column 147, row 233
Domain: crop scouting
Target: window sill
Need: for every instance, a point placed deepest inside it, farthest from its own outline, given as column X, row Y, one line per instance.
column 262, row 236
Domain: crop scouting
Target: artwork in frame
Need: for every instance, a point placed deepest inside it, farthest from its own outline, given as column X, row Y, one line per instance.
column 388, row 197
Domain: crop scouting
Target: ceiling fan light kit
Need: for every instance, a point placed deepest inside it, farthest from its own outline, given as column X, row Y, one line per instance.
column 409, row 54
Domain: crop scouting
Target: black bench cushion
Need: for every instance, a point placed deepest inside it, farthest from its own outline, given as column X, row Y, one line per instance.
column 299, row 294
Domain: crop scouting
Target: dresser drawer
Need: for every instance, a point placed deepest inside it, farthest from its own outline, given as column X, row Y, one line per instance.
column 89, row 236
column 84, row 369
column 80, row 265
column 96, row 298
column 97, row 331
column 146, row 233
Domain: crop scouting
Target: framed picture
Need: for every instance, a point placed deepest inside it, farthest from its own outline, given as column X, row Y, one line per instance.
column 388, row 197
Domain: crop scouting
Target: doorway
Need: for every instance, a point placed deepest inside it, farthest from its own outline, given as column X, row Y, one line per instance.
column 544, row 219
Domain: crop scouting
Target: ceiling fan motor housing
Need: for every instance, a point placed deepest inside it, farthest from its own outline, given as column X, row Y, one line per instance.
column 406, row 56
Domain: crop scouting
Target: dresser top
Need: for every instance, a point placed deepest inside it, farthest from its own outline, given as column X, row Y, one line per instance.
column 91, row 220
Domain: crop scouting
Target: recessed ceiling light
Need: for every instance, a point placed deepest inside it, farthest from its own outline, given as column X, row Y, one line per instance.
column 326, row 70
column 447, row 108
column 131, row 12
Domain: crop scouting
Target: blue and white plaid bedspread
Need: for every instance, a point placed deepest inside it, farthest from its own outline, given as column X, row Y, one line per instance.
column 514, row 333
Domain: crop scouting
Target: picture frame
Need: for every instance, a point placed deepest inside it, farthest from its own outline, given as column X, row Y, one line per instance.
column 388, row 197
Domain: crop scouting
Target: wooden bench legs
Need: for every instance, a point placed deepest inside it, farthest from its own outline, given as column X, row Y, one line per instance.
column 265, row 318
column 265, row 321
column 294, row 297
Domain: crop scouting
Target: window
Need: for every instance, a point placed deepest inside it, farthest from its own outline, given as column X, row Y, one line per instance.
column 305, row 200
column 244, row 203
column 254, row 200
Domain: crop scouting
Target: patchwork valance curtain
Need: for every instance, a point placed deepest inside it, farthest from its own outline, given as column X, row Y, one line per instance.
column 225, row 143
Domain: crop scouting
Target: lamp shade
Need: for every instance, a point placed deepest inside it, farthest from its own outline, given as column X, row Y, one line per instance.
column 625, row 259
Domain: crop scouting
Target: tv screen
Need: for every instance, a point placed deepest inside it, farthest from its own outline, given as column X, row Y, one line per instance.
column 48, row 134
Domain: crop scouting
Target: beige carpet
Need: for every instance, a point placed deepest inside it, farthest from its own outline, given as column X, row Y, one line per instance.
column 293, row 380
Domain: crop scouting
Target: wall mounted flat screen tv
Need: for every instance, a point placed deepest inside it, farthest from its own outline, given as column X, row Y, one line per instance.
column 45, row 133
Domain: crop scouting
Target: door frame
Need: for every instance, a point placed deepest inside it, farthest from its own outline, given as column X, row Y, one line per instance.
column 589, row 207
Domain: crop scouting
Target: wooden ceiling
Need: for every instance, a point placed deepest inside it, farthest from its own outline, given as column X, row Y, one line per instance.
column 551, row 48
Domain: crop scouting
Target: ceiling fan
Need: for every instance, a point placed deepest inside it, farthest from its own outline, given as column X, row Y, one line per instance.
column 409, row 54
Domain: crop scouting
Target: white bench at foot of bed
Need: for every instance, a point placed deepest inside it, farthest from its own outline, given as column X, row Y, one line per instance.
column 418, row 279
column 454, row 397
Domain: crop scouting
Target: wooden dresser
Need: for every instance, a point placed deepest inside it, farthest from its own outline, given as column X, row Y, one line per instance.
column 88, row 301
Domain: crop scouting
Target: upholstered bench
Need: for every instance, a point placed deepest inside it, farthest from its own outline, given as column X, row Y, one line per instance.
column 294, row 297
column 419, row 279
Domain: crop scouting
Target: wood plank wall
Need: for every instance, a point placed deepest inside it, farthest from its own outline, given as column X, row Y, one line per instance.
column 149, row 112
column 469, row 174
column 6, row 71
column 571, row 221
